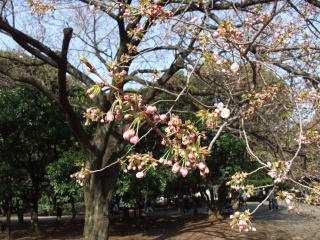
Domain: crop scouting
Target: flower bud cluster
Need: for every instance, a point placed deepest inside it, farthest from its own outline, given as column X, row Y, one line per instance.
column 40, row 7
column 237, row 180
column 226, row 30
column 256, row 16
column 150, row 10
column 80, row 176
column 185, row 151
column 140, row 163
column 288, row 199
column 242, row 221
column 311, row 136
column 279, row 170
column 118, row 76
column 256, row 100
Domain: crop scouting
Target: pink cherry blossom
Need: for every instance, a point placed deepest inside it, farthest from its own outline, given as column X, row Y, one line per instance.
column 175, row 168
column 225, row 113
column 109, row 117
column 126, row 97
column 234, row 67
column 184, row 172
column 151, row 109
column 202, row 166
column 163, row 117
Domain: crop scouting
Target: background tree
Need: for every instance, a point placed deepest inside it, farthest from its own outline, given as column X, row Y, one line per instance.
column 34, row 134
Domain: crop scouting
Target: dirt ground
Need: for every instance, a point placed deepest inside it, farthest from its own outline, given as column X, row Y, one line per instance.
column 151, row 228
column 170, row 225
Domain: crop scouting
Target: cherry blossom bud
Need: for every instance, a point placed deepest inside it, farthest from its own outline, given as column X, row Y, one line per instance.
column 156, row 117
column 110, row 74
column 134, row 140
column 140, row 175
column 169, row 163
column 151, row 109
column 123, row 73
column 126, row 97
column 202, row 166
column 175, row 168
column 216, row 34
column 127, row 116
column 128, row 134
column 193, row 20
column 117, row 117
column 191, row 156
column 184, row 172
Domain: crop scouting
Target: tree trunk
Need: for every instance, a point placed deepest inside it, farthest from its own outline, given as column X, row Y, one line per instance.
column 34, row 204
column 222, row 196
column 73, row 209
column 98, row 195
column 34, row 218
column 20, row 216
column 8, row 217
column 58, row 212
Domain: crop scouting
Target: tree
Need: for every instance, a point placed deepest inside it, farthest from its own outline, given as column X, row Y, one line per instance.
column 251, row 35
column 34, row 134
column 65, row 188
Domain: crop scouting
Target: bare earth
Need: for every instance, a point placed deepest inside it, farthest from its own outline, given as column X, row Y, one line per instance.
column 276, row 225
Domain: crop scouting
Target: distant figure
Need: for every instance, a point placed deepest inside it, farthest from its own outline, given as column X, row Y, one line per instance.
column 243, row 199
column 186, row 205
column 261, row 195
column 273, row 203
column 149, row 208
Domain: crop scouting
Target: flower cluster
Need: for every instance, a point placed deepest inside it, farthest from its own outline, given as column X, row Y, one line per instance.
column 210, row 118
column 288, row 198
column 117, row 76
column 309, row 137
column 40, row 7
column 185, row 150
column 80, row 176
column 139, row 162
column 242, row 220
column 152, row 11
column 237, row 181
column 227, row 31
column 279, row 170
column 257, row 18
column 256, row 100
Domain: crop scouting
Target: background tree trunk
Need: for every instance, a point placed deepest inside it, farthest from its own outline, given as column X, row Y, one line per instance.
column 73, row 208
column 8, row 217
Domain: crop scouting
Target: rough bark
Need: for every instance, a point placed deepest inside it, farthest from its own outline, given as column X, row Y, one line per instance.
column 98, row 195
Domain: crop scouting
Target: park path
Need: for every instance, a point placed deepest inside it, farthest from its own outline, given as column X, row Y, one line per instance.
column 280, row 224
